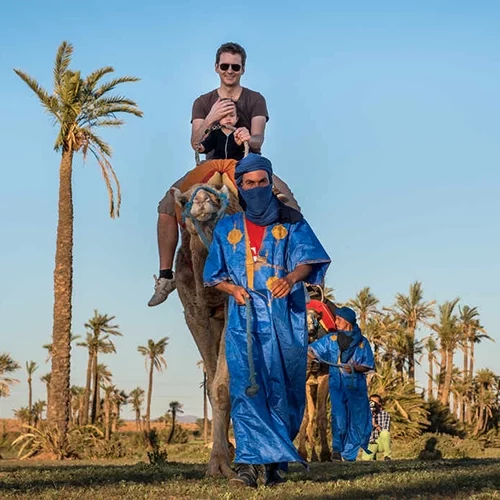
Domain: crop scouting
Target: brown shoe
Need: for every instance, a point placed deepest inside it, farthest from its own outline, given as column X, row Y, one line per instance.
column 246, row 476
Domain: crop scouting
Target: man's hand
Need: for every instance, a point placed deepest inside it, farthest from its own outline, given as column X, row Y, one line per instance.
column 239, row 294
column 241, row 135
column 348, row 368
column 219, row 110
column 282, row 287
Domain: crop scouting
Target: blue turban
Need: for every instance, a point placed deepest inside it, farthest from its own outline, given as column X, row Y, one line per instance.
column 259, row 203
column 251, row 163
column 346, row 313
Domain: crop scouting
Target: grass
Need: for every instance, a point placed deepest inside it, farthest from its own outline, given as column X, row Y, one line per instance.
column 468, row 478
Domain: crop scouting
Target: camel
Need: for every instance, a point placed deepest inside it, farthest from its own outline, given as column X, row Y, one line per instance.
column 202, row 204
column 315, row 422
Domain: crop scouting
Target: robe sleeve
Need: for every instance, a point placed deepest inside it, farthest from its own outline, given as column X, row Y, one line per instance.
column 305, row 248
column 215, row 270
column 364, row 354
column 325, row 350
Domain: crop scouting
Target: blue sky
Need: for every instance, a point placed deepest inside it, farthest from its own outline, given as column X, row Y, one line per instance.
column 384, row 121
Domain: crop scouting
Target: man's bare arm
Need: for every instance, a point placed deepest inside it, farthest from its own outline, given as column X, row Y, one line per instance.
column 282, row 287
column 238, row 292
column 257, row 128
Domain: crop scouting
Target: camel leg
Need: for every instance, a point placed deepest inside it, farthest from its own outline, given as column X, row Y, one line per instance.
column 219, row 463
column 322, row 418
column 311, row 410
column 302, row 436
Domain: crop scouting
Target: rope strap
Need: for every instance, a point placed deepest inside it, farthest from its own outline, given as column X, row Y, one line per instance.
column 253, row 388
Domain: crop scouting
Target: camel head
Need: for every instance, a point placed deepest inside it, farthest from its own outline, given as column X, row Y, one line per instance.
column 202, row 206
column 314, row 328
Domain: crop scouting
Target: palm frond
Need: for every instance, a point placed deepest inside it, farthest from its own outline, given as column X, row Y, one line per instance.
column 92, row 79
column 106, row 87
column 63, row 60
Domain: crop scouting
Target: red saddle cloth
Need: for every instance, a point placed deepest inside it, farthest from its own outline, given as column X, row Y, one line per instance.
column 325, row 310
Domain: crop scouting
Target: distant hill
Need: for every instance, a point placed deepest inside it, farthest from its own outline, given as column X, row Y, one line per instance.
column 187, row 419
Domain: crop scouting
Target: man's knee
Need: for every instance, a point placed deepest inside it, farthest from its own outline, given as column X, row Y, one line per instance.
column 166, row 206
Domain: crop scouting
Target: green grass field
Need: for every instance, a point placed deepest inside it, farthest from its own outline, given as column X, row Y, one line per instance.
column 467, row 478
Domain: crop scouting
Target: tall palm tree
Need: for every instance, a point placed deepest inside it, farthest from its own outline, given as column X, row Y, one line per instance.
column 104, row 378
column 96, row 341
column 204, row 386
column 7, row 366
column 448, row 332
column 31, row 367
column 365, row 305
column 37, row 411
column 136, row 399
column 46, row 380
column 430, row 345
column 153, row 353
column 485, row 381
column 77, row 394
column 413, row 311
column 78, row 106
column 175, row 409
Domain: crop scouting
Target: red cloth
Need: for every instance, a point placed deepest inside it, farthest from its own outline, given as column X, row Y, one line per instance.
column 327, row 318
column 255, row 235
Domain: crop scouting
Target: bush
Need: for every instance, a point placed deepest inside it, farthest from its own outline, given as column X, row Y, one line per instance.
column 450, row 446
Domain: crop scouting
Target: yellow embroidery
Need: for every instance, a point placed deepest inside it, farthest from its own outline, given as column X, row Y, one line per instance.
column 361, row 345
column 234, row 236
column 279, row 231
column 333, row 337
column 270, row 282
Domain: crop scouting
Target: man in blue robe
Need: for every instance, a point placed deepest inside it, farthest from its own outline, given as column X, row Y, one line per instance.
column 350, row 356
column 260, row 257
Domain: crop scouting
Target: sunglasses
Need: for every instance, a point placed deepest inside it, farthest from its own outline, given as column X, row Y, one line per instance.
column 234, row 67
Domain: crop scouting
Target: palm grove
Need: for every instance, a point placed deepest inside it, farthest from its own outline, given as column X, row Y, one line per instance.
column 80, row 106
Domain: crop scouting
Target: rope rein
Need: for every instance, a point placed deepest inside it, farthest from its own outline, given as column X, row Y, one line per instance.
column 253, row 388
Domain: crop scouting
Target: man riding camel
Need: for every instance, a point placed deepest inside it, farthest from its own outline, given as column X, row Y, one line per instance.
column 208, row 110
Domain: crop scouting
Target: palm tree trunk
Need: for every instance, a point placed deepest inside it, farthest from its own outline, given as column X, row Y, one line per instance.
column 411, row 358
column 30, row 401
column 171, row 435
column 205, row 408
column 138, row 419
column 463, row 406
column 471, row 376
column 107, row 416
column 448, row 375
column 95, row 389
column 150, row 392
column 63, row 286
column 430, row 392
column 47, row 386
column 86, row 397
column 442, row 372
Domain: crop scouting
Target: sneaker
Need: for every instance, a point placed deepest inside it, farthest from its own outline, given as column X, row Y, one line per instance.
column 272, row 477
column 163, row 288
column 247, row 475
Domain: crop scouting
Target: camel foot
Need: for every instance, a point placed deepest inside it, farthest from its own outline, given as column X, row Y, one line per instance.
column 219, row 467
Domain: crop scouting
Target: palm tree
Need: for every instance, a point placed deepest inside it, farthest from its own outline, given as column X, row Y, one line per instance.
column 136, row 399
column 412, row 311
column 79, row 106
column 46, row 380
column 365, row 305
column 448, row 332
column 77, row 395
column 154, row 353
column 96, row 341
column 431, row 347
column 38, row 408
column 104, row 378
column 31, row 367
column 175, row 408
column 22, row 414
column 485, row 381
column 7, row 365
column 205, row 401
column 72, row 338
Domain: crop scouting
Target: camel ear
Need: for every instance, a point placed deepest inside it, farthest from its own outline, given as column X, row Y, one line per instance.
column 225, row 190
column 180, row 198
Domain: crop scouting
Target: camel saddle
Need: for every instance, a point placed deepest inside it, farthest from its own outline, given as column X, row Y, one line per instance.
column 326, row 312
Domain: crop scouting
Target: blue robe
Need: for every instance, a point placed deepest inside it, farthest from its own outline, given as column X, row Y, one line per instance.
column 351, row 414
column 266, row 424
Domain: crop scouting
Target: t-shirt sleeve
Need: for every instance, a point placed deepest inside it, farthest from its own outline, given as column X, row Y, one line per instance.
column 199, row 109
column 259, row 106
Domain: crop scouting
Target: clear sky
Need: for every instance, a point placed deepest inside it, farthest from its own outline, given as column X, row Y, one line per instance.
column 384, row 121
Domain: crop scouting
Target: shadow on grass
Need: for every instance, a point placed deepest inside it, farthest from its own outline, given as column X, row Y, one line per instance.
column 396, row 478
